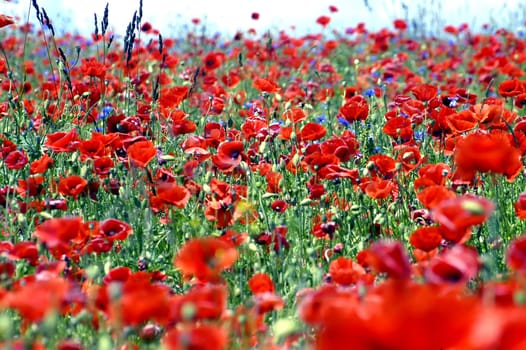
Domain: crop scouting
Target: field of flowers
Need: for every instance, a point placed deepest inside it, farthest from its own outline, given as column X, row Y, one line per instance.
column 338, row 190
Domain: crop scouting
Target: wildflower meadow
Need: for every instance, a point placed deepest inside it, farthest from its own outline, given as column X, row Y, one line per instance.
column 348, row 189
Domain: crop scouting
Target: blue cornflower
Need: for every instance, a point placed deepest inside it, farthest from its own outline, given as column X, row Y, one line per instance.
column 369, row 92
column 321, row 119
column 344, row 122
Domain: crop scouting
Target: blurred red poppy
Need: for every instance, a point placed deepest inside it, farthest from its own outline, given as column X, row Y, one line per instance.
column 399, row 128
column 267, row 302
column 261, row 283
column 202, row 337
column 213, row 60
column 312, row 132
column 102, row 166
column 462, row 121
column 432, row 174
column 456, row 216
column 205, row 258
column 516, row 254
column 400, row 24
column 40, row 165
column 72, row 186
column 323, row 20
column 16, row 160
column 432, row 195
column 172, row 97
column 6, row 20
column 487, row 153
column 141, row 153
column 265, row 85
column 62, row 141
column 520, row 206
column 140, row 301
column 346, row 272
column 171, row 193
column 279, row 205
column 424, row 92
column 380, row 189
column 58, row 232
column 389, row 257
column 456, row 265
column 511, row 88
column 208, row 302
column 93, row 149
column 355, row 108
column 35, row 299
column 115, row 230
column 426, row 238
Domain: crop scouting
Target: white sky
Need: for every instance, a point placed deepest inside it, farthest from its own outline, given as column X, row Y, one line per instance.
column 228, row 16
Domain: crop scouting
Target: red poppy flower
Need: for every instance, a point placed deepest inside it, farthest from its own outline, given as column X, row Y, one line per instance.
column 400, row 24
column 462, row 121
column 16, row 160
column 424, row 92
column 25, row 250
column 229, row 155
column 312, row 132
column 345, row 272
column 93, row 149
column 456, row 216
column 520, row 206
column 213, row 60
column 380, row 189
column 59, row 232
column 261, row 283
column 92, row 68
column 62, row 141
column 202, row 337
column 389, row 257
column 171, row 193
column 141, row 153
column 36, row 299
column 435, row 314
column 267, row 302
column 265, row 85
column 72, row 186
column 254, row 16
column 432, row 195
column 205, row 258
column 30, row 187
column 233, row 237
column 382, row 166
column 426, row 238
column 456, row 265
column 172, row 97
column 295, row 115
column 208, row 303
column 279, row 205
column 273, row 182
column 6, row 20
column 399, row 128
column 432, row 174
column 355, row 108
column 410, row 158
column 511, row 88
column 115, row 230
column 323, row 20
column 516, row 254
column 102, row 166
column 487, row 152
column 40, row 165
